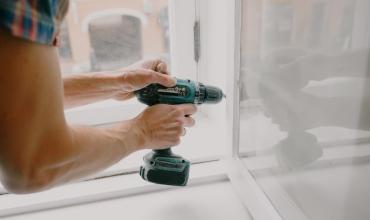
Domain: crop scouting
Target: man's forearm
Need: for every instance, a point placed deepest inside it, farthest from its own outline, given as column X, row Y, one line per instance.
column 90, row 150
column 73, row 153
column 81, row 89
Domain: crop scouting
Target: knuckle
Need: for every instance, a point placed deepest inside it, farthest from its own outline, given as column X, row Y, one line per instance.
column 167, row 78
column 181, row 123
column 187, row 122
column 147, row 79
column 152, row 76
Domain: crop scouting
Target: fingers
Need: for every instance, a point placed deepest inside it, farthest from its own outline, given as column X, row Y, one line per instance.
column 163, row 124
column 188, row 122
column 183, row 122
column 187, row 109
column 161, row 67
column 163, row 79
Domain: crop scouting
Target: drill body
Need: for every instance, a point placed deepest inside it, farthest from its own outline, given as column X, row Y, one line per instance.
column 162, row 166
column 185, row 91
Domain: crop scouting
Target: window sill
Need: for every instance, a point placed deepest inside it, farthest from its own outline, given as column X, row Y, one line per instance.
column 101, row 189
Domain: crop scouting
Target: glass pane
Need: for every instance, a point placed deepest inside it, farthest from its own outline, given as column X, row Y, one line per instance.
column 305, row 105
column 106, row 35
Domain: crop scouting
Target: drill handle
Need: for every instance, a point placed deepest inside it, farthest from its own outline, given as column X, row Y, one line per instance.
column 166, row 151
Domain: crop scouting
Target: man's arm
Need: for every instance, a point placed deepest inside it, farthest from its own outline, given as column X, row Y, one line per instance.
column 38, row 150
column 81, row 89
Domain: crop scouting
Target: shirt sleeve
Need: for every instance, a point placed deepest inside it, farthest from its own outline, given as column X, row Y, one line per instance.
column 34, row 20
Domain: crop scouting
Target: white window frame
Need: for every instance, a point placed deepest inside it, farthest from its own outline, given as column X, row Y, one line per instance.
column 249, row 191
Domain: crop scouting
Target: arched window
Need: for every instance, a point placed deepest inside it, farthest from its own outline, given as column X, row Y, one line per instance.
column 115, row 41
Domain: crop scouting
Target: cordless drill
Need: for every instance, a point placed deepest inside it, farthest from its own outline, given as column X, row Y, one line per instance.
column 163, row 166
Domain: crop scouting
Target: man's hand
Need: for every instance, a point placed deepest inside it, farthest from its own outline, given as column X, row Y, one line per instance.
column 157, row 127
column 161, row 126
column 141, row 74
column 153, row 64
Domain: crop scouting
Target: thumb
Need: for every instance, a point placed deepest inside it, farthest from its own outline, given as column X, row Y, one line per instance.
column 162, row 68
column 164, row 79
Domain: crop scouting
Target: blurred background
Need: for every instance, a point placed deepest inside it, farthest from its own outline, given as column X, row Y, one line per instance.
column 105, row 35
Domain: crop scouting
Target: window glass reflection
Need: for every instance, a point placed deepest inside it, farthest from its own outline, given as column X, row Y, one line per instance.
column 305, row 104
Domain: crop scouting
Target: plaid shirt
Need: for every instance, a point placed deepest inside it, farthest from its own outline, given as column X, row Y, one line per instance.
column 34, row 20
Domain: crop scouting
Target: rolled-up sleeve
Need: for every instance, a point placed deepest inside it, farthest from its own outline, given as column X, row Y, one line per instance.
column 34, row 20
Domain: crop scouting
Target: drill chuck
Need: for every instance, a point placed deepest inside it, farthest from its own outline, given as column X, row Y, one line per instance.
column 208, row 94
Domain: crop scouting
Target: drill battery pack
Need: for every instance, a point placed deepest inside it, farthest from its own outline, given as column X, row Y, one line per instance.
column 164, row 167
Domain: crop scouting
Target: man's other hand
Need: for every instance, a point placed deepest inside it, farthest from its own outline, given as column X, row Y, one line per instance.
column 158, row 127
